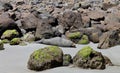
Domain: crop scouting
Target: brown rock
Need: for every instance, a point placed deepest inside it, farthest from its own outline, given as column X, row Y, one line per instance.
column 109, row 39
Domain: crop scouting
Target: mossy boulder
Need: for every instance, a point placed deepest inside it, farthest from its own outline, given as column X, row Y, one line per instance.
column 74, row 36
column 88, row 58
column 5, row 41
column 84, row 40
column 45, row 58
column 1, row 45
column 10, row 34
column 67, row 59
column 15, row 41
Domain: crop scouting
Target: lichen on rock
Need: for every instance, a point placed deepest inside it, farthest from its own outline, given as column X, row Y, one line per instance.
column 10, row 34
column 45, row 58
column 84, row 40
column 15, row 41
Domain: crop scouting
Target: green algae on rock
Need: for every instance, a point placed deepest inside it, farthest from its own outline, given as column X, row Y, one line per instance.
column 5, row 41
column 84, row 40
column 45, row 58
column 74, row 35
column 85, row 52
column 88, row 58
column 67, row 59
column 15, row 41
column 10, row 34
column 1, row 45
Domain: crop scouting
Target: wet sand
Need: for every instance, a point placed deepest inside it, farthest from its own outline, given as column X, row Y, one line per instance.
column 14, row 59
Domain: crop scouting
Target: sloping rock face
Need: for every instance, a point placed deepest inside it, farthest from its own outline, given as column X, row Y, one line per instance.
column 46, row 58
column 109, row 39
column 70, row 20
column 88, row 58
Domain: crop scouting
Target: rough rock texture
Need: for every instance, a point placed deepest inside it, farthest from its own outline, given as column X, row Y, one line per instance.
column 10, row 34
column 28, row 37
column 44, row 29
column 7, row 23
column 70, row 20
column 84, row 40
column 1, row 45
column 109, row 39
column 15, row 41
column 88, row 58
column 67, row 59
column 46, row 58
column 74, row 36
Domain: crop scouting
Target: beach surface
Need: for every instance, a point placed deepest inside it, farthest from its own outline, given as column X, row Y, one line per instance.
column 14, row 59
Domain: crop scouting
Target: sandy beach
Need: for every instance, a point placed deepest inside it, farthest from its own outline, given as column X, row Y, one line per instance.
column 14, row 59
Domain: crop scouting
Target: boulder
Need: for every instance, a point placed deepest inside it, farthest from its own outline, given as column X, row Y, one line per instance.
column 74, row 36
column 30, row 22
column 67, row 59
column 7, row 23
column 15, row 41
column 70, row 20
column 109, row 39
column 84, row 40
column 10, row 34
column 1, row 45
column 88, row 58
column 45, row 28
column 57, row 41
column 46, row 58
column 29, row 37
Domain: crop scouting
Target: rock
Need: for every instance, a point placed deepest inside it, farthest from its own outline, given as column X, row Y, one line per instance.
column 45, row 58
column 57, row 41
column 84, row 40
column 96, row 15
column 67, row 59
column 10, row 34
column 30, row 22
column 44, row 29
column 7, row 23
column 29, row 37
column 7, row 6
column 91, row 32
column 74, row 36
column 70, row 20
column 109, row 39
column 1, row 45
column 15, row 41
column 108, row 61
column 5, row 41
column 88, row 58
column 94, row 37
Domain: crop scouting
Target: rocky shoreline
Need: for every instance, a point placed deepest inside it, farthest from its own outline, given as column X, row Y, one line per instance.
column 61, row 23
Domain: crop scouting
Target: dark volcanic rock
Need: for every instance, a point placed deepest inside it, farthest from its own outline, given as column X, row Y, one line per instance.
column 46, row 58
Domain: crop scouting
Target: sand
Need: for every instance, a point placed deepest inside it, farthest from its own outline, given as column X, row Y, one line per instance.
column 14, row 59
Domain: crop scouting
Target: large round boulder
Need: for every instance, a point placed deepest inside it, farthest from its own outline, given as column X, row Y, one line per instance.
column 88, row 58
column 46, row 58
